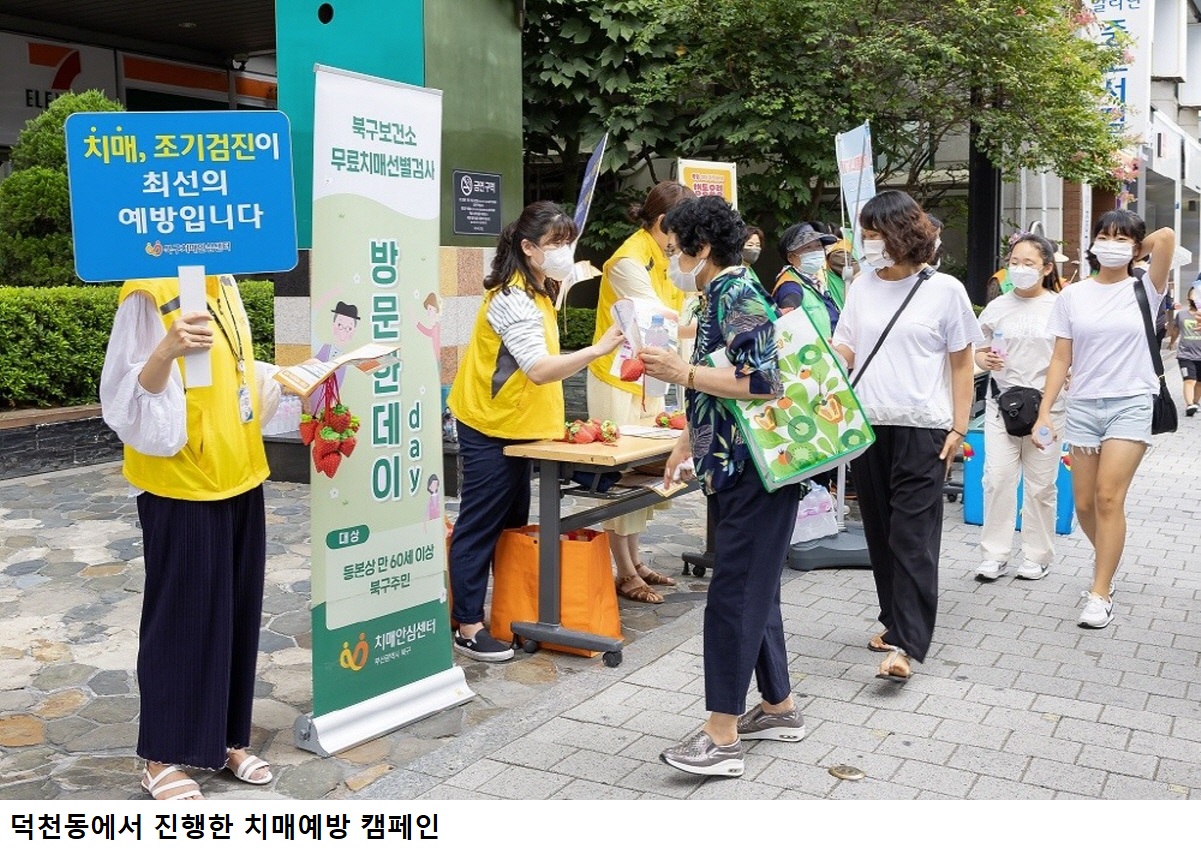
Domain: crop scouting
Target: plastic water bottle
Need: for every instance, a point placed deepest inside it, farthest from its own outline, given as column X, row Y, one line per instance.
column 1044, row 437
column 656, row 337
column 998, row 344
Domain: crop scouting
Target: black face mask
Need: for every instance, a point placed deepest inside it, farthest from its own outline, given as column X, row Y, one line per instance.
column 750, row 255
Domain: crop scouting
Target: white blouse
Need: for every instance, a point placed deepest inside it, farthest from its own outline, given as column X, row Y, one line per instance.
column 155, row 423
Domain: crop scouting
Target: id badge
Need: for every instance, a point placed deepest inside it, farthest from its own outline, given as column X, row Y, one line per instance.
column 244, row 406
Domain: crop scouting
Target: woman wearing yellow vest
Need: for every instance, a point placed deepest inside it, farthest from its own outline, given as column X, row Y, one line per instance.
column 509, row 390
column 637, row 270
column 197, row 458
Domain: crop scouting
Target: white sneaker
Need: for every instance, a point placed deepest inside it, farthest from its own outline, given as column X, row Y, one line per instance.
column 991, row 569
column 1097, row 611
column 1032, row 570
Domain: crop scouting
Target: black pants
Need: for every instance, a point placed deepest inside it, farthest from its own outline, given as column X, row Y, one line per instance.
column 199, row 637
column 900, row 480
column 495, row 496
column 744, row 631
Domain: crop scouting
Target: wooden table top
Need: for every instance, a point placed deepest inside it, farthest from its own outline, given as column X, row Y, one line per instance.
column 623, row 453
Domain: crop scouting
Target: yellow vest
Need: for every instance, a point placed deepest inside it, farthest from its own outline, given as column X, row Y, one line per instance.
column 642, row 249
column 493, row 396
column 223, row 456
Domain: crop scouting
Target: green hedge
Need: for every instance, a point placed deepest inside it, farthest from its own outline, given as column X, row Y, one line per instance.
column 54, row 340
column 576, row 327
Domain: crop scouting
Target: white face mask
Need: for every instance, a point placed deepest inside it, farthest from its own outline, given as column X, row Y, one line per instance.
column 1024, row 277
column 810, row 262
column 875, row 255
column 684, row 281
column 558, row 262
column 1111, row 254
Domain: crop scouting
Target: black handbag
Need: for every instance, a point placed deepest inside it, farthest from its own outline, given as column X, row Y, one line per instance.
column 1018, row 407
column 1163, row 409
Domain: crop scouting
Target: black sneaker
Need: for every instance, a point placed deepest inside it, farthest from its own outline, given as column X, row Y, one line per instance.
column 1190, row 410
column 484, row 647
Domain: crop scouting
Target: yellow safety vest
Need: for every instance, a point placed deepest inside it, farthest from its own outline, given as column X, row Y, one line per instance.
column 642, row 249
column 490, row 392
column 223, row 456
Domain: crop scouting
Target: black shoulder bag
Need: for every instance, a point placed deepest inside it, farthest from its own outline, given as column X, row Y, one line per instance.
column 922, row 275
column 1163, row 409
column 1018, row 407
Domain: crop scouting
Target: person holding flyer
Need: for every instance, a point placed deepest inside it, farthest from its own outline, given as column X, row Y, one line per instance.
column 637, row 271
column 509, row 389
column 198, row 462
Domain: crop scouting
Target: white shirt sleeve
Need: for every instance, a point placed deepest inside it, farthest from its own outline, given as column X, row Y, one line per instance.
column 631, row 280
column 987, row 324
column 151, row 423
column 269, row 390
column 960, row 327
column 514, row 316
column 1059, row 324
column 844, row 331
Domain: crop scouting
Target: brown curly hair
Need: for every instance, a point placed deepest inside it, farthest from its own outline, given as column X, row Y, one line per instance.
column 908, row 233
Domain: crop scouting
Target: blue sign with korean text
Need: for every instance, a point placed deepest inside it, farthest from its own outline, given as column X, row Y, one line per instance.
column 152, row 191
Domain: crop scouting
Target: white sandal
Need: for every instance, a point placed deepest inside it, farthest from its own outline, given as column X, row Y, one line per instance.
column 156, row 788
column 247, row 767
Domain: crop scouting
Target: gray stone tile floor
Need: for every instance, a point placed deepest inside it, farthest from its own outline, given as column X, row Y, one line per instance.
column 1014, row 701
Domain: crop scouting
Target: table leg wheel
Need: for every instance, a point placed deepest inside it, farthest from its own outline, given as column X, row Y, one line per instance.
column 699, row 570
column 529, row 645
column 611, row 658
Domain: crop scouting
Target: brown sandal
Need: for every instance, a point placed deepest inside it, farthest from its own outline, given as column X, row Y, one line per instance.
column 639, row 592
column 895, row 667
column 877, row 644
column 652, row 577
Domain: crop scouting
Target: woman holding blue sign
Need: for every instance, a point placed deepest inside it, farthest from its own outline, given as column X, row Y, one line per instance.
column 907, row 333
column 198, row 462
column 744, row 630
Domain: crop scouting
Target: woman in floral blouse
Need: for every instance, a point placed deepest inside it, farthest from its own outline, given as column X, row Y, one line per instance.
column 744, row 631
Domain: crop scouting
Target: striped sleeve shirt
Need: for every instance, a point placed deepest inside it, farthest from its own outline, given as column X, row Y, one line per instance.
column 517, row 320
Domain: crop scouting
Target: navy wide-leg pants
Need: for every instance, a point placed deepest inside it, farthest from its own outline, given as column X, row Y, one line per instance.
column 495, row 496
column 744, row 630
column 199, row 638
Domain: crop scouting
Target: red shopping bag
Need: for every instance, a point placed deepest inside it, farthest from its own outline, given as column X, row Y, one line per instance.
column 587, row 597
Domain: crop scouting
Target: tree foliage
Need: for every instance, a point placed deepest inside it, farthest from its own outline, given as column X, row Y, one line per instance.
column 767, row 84
column 35, row 209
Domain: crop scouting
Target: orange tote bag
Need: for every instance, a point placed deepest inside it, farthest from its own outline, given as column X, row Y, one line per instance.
column 587, row 597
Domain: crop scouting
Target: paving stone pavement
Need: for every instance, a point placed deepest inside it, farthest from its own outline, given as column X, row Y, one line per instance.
column 1014, row 701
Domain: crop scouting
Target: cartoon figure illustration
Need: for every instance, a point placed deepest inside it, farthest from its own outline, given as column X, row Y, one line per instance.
column 346, row 320
column 434, row 510
column 433, row 322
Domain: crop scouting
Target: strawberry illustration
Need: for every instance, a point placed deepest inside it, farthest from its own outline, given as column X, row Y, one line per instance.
column 308, row 429
column 632, row 369
column 348, row 443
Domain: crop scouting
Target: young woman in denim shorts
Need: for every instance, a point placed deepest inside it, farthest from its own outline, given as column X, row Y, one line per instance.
column 1101, row 337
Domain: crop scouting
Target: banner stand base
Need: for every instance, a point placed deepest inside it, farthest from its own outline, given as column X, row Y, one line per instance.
column 344, row 728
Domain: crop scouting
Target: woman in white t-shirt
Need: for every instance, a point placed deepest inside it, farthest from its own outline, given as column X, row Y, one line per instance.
column 1017, row 349
column 1101, row 336
column 916, row 392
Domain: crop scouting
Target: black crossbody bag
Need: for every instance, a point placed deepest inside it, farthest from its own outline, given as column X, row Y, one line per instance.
column 1163, row 409
column 1018, row 407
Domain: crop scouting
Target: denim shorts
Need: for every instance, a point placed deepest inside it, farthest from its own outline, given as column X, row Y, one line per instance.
column 1091, row 421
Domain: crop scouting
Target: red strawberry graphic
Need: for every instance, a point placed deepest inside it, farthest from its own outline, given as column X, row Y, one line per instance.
column 677, row 420
column 349, row 441
column 326, row 443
